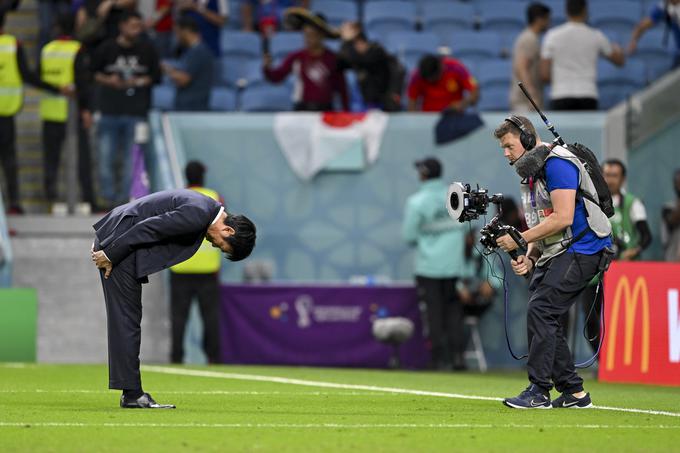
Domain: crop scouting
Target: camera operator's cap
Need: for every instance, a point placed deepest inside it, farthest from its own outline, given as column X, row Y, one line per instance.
column 430, row 167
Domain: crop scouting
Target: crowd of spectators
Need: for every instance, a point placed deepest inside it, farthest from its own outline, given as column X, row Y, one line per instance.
column 124, row 54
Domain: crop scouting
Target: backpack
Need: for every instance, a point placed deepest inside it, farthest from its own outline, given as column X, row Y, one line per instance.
column 592, row 166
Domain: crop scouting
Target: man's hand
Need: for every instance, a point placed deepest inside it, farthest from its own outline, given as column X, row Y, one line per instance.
column 465, row 295
column 267, row 60
column 629, row 254
column 522, row 265
column 102, row 262
column 507, row 243
column 86, row 118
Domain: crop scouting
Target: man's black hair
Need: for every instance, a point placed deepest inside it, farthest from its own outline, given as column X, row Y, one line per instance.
column 576, row 7
column 66, row 23
column 618, row 162
column 537, row 11
column 194, row 172
column 242, row 241
column 430, row 66
column 127, row 15
column 187, row 22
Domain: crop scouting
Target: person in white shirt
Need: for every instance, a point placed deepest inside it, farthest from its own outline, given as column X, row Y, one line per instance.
column 526, row 55
column 569, row 60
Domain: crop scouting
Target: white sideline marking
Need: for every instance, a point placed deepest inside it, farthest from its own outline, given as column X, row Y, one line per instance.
column 201, row 392
column 322, row 425
column 282, row 380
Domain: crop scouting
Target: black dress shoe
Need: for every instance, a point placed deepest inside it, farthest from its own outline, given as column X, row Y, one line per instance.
column 143, row 402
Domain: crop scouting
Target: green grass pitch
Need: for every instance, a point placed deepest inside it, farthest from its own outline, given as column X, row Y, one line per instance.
column 68, row 408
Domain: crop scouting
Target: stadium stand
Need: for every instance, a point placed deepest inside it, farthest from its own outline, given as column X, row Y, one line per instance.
column 266, row 98
column 222, row 100
column 163, row 97
column 444, row 18
column 384, row 17
column 410, row 46
column 283, row 43
column 337, row 11
column 503, row 17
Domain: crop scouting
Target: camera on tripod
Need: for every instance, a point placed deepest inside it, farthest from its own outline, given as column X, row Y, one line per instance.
column 465, row 204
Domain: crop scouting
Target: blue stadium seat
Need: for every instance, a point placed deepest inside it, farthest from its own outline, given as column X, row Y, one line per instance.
column 241, row 45
column 633, row 74
column 443, row 18
column 384, row 17
column 611, row 95
column 283, row 43
column 410, row 46
column 619, row 17
column 558, row 15
column 475, row 45
column 337, row 11
column 222, row 100
column 494, row 73
column 163, row 97
column 505, row 16
column 266, row 98
column 496, row 99
column 238, row 75
column 657, row 57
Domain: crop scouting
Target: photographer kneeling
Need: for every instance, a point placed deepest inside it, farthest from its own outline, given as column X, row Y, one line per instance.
column 568, row 243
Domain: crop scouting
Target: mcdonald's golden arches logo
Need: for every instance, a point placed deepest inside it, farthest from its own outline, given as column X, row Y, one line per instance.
column 639, row 293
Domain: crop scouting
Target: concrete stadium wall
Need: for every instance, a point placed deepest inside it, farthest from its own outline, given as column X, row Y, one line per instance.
column 650, row 174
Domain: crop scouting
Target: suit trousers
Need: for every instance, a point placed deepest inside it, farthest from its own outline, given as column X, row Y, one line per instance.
column 123, row 298
column 553, row 289
column 183, row 289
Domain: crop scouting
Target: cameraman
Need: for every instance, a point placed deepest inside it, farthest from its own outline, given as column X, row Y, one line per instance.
column 568, row 244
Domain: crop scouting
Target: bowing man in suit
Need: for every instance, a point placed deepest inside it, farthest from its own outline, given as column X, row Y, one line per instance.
column 145, row 236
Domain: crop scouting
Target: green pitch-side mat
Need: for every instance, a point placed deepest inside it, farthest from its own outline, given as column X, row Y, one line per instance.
column 18, row 320
column 277, row 409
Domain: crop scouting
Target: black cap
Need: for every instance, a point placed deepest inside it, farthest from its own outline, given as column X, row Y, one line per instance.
column 430, row 167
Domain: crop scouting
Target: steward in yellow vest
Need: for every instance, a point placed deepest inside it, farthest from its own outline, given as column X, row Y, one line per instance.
column 14, row 71
column 196, row 277
column 57, row 67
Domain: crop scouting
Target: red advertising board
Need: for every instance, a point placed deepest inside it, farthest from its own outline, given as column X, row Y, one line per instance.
column 642, row 313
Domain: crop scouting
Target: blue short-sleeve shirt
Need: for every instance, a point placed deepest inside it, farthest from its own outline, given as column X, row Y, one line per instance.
column 562, row 174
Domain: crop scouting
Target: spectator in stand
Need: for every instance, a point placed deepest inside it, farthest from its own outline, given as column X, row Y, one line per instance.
column 526, row 56
column 371, row 63
column 316, row 67
column 14, row 72
column 569, row 60
column 125, row 69
column 97, row 20
column 63, row 64
column 161, row 22
column 211, row 15
column 266, row 16
column 48, row 13
column 440, row 83
column 668, row 12
column 193, row 76
column 670, row 228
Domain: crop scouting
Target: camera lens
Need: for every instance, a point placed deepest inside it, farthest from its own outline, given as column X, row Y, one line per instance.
column 454, row 201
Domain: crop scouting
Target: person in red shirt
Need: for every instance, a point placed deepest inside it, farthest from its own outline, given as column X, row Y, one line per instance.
column 441, row 83
column 162, row 24
column 316, row 68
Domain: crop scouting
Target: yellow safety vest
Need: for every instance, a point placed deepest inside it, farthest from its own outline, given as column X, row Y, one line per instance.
column 56, row 67
column 207, row 259
column 11, row 86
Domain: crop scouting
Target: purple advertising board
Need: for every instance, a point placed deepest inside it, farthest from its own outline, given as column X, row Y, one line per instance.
column 316, row 325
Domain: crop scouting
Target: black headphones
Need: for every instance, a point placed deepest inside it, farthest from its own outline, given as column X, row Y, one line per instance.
column 526, row 138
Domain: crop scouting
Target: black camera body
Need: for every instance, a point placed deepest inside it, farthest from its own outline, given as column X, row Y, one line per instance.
column 465, row 204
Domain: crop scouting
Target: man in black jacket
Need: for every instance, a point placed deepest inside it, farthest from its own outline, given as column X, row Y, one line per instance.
column 140, row 238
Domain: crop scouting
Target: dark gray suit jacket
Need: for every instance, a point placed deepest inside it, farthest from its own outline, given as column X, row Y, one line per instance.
column 163, row 229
